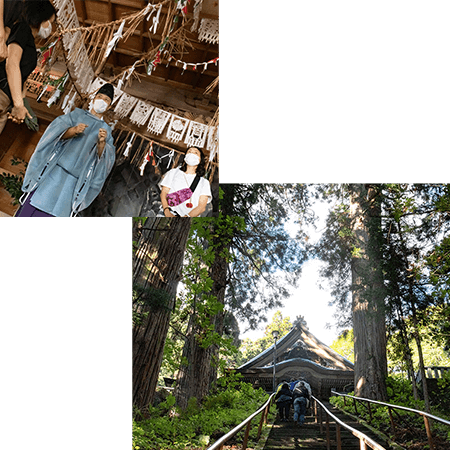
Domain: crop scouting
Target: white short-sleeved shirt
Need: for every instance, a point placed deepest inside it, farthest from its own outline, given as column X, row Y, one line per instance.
column 176, row 180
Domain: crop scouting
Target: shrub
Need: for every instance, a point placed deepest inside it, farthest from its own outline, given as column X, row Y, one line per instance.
column 171, row 428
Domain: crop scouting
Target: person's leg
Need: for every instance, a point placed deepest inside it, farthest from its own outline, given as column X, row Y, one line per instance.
column 287, row 407
column 296, row 408
column 280, row 410
column 302, row 410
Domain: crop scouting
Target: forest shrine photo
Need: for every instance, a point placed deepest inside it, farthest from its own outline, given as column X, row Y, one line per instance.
column 337, row 294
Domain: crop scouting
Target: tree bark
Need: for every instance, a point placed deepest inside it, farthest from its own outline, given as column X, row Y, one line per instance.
column 193, row 377
column 157, row 265
column 368, row 296
column 407, row 352
column 197, row 376
column 412, row 301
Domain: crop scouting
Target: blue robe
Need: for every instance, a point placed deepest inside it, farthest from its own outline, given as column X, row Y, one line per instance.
column 66, row 175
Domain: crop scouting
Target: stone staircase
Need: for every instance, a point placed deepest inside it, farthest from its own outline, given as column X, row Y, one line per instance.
column 287, row 435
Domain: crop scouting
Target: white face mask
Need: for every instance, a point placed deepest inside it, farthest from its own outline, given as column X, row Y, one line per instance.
column 100, row 106
column 192, row 160
column 44, row 33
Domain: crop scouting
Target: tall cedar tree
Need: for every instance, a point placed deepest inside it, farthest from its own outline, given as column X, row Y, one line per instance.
column 368, row 294
column 156, row 273
column 255, row 261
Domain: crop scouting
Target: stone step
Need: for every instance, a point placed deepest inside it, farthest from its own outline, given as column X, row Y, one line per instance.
column 288, row 435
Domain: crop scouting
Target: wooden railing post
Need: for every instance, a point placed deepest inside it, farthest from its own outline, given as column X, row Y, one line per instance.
column 391, row 418
column 370, row 412
column 338, row 437
column 429, row 435
column 362, row 444
column 247, row 432
column 258, row 435
column 328, row 432
column 320, row 419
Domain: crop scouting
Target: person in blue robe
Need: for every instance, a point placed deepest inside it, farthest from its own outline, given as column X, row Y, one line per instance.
column 71, row 162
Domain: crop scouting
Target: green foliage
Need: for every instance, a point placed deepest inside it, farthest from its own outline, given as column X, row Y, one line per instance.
column 344, row 345
column 13, row 183
column 399, row 393
column 444, row 382
column 249, row 348
column 266, row 258
column 169, row 428
column 433, row 320
column 151, row 297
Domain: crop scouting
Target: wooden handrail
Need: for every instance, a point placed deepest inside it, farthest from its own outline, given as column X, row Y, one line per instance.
column 390, row 405
column 264, row 409
column 426, row 416
column 363, row 439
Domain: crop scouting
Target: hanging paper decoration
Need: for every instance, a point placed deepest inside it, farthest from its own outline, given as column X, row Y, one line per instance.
column 69, row 106
column 213, row 141
column 125, row 105
column 59, row 89
column 154, row 27
column 141, row 112
column 148, row 156
column 129, row 145
column 154, row 62
column 170, row 157
column 47, row 51
column 158, row 121
column 209, row 31
column 113, row 42
column 196, row 134
column 183, row 4
column 197, row 10
column 177, row 127
column 193, row 65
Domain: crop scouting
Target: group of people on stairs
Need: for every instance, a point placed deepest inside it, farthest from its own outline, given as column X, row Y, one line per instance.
column 297, row 393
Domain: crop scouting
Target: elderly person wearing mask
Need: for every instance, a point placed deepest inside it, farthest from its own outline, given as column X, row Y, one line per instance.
column 35, row 21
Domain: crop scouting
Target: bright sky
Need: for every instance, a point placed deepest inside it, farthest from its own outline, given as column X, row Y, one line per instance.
column 308, row 300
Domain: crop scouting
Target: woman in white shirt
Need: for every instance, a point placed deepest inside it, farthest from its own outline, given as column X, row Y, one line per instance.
column 177, row 181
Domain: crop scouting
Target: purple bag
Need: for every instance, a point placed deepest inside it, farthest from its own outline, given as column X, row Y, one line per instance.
column 178, row 197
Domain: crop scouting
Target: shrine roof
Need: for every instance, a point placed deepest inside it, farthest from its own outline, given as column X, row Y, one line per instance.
column 299, row 344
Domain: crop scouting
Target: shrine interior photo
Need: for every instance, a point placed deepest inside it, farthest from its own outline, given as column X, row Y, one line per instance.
column 162, row 58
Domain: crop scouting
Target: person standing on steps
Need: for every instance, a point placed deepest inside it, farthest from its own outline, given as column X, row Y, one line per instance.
column 283, row 399
column 301, row 396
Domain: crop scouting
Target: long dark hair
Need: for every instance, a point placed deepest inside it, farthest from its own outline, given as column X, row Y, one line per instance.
column 37, row 11
column 201, row 169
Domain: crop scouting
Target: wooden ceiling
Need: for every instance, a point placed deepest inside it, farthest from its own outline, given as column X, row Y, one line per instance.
column 167, row 73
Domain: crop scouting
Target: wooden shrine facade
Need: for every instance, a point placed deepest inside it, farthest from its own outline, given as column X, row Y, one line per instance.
column 300, row 354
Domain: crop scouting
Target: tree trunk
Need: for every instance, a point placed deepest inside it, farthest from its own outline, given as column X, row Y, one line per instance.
column 218, row 272
column 412, row 301
column 197, row 376
column 157, row 266
column 368, row 296
column 193, row 377
column 426, row 396
column 407, row 352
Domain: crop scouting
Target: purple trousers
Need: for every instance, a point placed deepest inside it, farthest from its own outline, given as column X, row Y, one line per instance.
column 27, row 210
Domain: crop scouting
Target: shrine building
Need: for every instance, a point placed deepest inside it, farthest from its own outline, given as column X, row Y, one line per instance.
column 300, row 354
